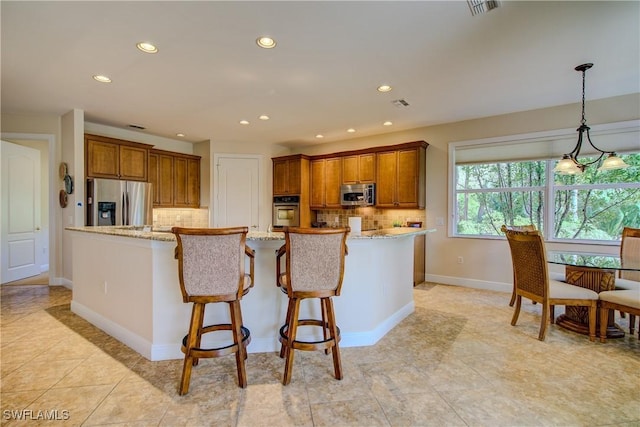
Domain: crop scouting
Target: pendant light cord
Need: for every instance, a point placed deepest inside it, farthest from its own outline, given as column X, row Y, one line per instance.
column 584, row 121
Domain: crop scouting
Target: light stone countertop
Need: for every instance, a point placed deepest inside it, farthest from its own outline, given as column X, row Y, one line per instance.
column 164, row 233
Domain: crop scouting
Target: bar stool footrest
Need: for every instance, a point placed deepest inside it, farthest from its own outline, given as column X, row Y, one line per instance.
column 217, row 351
column 309, row 345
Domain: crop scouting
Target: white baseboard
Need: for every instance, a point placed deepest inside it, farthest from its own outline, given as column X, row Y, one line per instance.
column 61, row 281
column 470, row 283
column 155, row 352
column 123, row 335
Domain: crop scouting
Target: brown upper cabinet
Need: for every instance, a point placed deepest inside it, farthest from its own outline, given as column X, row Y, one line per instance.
column 175, row 178
column 161, row 177
column 115, row 158
column 399, row 172
column 186, row 186
column 359, row 169
column 400, row 181
column 325, row 182
column 288, row 174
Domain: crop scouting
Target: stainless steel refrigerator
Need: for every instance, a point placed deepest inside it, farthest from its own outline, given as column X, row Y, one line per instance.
column 114, row 202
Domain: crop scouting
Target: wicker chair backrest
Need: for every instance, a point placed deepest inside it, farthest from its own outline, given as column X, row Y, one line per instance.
column 630, row 253
column 529, row 261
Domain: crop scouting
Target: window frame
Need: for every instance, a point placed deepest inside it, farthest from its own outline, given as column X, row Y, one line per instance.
column 549, row 188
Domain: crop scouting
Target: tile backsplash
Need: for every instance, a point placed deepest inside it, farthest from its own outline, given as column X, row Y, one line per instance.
column 180, row 217
column 372, row 218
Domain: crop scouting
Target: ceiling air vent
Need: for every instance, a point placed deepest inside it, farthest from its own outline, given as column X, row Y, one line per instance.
column 482, row 6
column 137, row 127
column 400, row 103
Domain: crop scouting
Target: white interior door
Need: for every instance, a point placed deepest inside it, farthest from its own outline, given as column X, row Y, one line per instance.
column 237, row 191
column 20, row 214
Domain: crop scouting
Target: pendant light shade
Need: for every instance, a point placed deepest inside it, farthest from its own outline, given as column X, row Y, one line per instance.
column 612, row 162
column 570, row 165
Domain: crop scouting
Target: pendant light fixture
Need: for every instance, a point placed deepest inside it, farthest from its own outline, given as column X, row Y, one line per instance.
column 570, row 165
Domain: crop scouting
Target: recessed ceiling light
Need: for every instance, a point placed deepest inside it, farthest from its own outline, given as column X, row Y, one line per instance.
column 181, row 135
column 351, row 130
column 387, row 123
column 264, row 117
column 319, row 136
column 384, row 88
column 244, row 122
column 147, row 47
column 266, row 42
column 102, row 79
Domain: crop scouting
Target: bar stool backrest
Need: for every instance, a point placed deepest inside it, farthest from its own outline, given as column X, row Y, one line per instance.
column 211, row 262
column 315, row 258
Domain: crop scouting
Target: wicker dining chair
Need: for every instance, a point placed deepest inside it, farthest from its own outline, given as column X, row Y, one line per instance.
column 315, row 260
column 504, row 228
column 552, row 275
column 533, row 282
column 626, row 301
column 630, row 257
column 211, row 269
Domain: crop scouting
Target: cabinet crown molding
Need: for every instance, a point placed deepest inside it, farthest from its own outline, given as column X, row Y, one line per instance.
column 377, row 149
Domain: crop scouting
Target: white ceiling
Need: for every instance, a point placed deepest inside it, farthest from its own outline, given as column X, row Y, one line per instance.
column 322, row 76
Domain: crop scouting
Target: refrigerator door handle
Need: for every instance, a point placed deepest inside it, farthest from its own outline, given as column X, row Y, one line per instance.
column 125, row 208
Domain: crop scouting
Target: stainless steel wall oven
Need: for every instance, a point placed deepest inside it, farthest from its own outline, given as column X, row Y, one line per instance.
column 286, row 211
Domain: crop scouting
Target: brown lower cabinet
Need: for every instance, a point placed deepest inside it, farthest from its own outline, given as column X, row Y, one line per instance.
column 418, row 259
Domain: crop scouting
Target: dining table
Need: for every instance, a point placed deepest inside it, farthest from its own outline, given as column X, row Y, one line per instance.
column 595, row 271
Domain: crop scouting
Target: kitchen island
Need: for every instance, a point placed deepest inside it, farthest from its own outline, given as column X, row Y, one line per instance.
column 125, row 282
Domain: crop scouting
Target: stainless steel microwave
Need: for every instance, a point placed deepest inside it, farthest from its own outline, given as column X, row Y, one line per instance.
column 358, row 194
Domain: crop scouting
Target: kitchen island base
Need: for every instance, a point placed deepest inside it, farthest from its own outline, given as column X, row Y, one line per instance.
column 129, row 288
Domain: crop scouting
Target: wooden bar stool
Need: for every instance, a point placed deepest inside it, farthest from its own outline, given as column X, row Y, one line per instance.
column 211, row 268
column 314, row 269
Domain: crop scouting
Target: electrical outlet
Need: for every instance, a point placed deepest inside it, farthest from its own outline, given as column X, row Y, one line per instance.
column 440, row 221
column 460, row 260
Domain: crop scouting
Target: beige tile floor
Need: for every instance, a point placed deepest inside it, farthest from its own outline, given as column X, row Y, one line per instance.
column 456, row 361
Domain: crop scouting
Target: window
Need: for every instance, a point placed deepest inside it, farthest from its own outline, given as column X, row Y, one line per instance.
column 511, row 181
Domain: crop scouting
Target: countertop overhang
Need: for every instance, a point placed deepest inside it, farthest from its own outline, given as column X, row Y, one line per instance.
column 164, row 233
